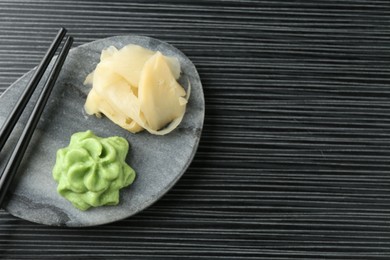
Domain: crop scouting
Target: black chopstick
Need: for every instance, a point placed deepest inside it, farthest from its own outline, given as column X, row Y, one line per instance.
column 21, row 146
column 13, row 117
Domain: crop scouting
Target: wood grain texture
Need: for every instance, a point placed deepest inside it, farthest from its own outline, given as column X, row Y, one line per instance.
column 294, row 157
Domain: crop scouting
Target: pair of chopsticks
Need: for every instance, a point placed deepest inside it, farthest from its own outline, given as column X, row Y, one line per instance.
column 16, row 157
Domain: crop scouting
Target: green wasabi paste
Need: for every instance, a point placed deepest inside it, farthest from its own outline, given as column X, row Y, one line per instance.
column 91, row 170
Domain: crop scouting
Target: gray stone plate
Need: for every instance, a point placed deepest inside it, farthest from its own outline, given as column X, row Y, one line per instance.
column 158, row 160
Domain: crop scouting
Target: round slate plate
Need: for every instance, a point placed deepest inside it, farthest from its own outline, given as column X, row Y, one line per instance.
column 158, row 160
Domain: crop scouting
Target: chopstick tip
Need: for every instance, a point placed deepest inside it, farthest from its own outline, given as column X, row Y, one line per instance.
column 63, row 29
column 69, row 39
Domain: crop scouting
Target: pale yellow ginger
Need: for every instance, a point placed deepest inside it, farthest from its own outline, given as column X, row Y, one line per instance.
column 137, row 89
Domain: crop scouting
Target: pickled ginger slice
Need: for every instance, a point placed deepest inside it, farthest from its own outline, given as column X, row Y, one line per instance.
column 109, row 96
column 128, row 62
column 97, row 104
column 107, row 53
column 174, row 65
column 161, row 97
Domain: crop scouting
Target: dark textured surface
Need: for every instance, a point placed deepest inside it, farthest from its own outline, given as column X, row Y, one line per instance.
column 294, row 157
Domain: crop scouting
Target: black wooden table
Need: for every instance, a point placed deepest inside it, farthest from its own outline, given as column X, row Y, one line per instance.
column 294, row 157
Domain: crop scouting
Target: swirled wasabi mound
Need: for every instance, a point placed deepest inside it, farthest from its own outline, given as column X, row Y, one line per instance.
column 91, row 170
